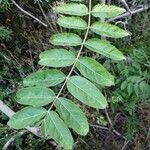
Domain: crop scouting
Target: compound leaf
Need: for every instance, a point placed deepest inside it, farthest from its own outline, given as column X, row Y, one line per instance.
column 86, row 92
column 107, row 11
column 94, row 71
column 57, row 58
column 45, row 78
column 72, row 23
column 26, row 117
column 53, row 127
column 105, row 48
column 72, row 9
column 65, row 39
column 35, row 96
column 72, row 115
column 108, row 30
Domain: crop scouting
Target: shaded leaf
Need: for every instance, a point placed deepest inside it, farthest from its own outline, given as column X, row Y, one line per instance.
column 26, row 117
column 72, row 9
column 86, row 92
column 105, row 48
column 136, row 89
column 53, row 127
column 108, row 30
column 72, row 23
column 130, row 88
column 142, row 86
column 45, row 78
column 72, row 115
column 107, row 11
column 35, row 96
column 124, row 85
column 65, row 39
column 94, row 71
column 57, row 58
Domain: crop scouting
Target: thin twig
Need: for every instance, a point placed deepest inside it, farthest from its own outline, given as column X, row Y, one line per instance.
column 77, row 58
column 12, row 139
column 46, row 18
column 124, row 145
column 8, row 112
column 99, row 127
column 127, row 14
column 108, row 118
column 126, row 6
column 27, row 13
column 106, row 128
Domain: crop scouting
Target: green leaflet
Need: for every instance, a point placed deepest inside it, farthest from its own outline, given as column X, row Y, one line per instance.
column 57, row 58
column 72, row 23
column 72, row 9
column 86, row 92
column 72, row 115
column 45, row 78
column 35, row 96
column 53, row 127
column 108, row 30
column 94, row 71
column 124, row 85
column 107, row 11
column 130, row 88
column 65, row 39
column 26, row 117
column 105, row 48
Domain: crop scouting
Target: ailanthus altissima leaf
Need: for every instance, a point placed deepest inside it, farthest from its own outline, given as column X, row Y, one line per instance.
column 65, row 39
column 72, row 23
column 105, row 48
column 107, row 11
column 86, row 92
column 72, row 9
column 26, row 117
column 94, row 71
column 72, row 115
column 108, row 30
column 53, row 127
column 45, row 78
column 35, row 96
column 57, row 58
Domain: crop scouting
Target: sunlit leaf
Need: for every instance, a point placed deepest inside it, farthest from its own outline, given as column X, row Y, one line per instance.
column 26, row 117
column 72, row 9
column 35, row 96
column 57, row 58
column 107, row 11
column 72, row 115
column 108, row 30
column 94, row 71
column 65, row 39
column 72, row 23
column 45, row 78
column 105, row 48
column 53, row 127
column 86, row 92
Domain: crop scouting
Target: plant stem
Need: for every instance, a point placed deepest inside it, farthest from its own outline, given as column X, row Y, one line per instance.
column 27, row 13
column 77, row 58
column 46, row 18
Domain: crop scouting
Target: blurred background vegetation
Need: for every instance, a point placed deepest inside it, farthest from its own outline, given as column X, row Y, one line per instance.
column 22, row 39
